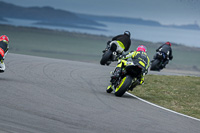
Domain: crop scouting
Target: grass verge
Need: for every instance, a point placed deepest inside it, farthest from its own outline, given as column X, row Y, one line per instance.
column 178, row 93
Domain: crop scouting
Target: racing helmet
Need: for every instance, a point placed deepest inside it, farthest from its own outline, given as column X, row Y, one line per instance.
column 127, row 33
column 4, row 38
column 141, row 48
column 168, row 43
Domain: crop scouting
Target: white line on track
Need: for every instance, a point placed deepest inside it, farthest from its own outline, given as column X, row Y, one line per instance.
column 162, row 107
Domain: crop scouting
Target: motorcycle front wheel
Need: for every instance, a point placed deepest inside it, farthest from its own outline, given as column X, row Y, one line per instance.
column 123, row 86
column 106, row 56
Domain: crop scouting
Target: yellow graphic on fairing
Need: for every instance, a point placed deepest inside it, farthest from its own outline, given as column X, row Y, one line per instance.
column 121, row 44
column 119, row 86
column 110, row 86
column 120, row 64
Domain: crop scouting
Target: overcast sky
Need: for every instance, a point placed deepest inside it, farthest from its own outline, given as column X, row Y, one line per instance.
column 165, row 11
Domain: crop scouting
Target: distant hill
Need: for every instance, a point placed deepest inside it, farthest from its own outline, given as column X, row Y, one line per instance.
column 189, row 26
column 57, row 17
column 137, row 21
column 125, row 20
column 46, row 16
column 2, row 19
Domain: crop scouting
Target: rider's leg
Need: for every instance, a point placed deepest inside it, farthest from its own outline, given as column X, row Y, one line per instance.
column 165, row 63
column 141, row 80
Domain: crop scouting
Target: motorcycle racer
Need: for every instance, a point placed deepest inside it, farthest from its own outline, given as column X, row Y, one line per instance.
column 140, row 56
column 116, row 47
column 167, row 50
column 123, row 41
column 4, row 40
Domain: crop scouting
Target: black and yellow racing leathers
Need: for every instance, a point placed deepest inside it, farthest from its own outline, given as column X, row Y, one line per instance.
column 3, row 49
column 141, row 57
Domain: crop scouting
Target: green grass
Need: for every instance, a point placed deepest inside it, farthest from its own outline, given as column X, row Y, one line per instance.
column 178, row 93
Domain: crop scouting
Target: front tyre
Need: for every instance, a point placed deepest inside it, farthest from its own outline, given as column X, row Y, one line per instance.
column 123, row 86
column 106, row 56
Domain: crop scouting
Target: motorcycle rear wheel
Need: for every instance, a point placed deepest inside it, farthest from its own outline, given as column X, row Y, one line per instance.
column 106, row 56
column 155, row 66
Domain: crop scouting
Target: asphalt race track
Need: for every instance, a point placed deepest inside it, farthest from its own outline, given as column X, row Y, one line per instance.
column 43, row 95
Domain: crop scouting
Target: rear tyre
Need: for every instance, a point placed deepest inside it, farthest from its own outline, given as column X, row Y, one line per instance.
column 155, row 65
column 123, row 86
column 106, row 56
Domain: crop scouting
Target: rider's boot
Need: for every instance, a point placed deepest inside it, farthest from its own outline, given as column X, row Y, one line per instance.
column 141, row 79
column 2, row 66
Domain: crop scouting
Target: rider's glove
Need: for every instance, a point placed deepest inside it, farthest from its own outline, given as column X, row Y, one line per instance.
column 108, row 42
column 119, row 57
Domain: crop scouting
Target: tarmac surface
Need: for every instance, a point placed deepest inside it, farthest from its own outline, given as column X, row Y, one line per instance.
column 43, row 95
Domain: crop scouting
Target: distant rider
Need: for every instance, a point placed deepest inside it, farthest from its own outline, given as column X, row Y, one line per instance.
column 139, row 55
column 167, row 50
column 123, row 42
column 4, row 40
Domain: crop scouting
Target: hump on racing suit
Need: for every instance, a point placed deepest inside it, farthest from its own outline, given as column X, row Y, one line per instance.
column 124, row 39
column 140, row 57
